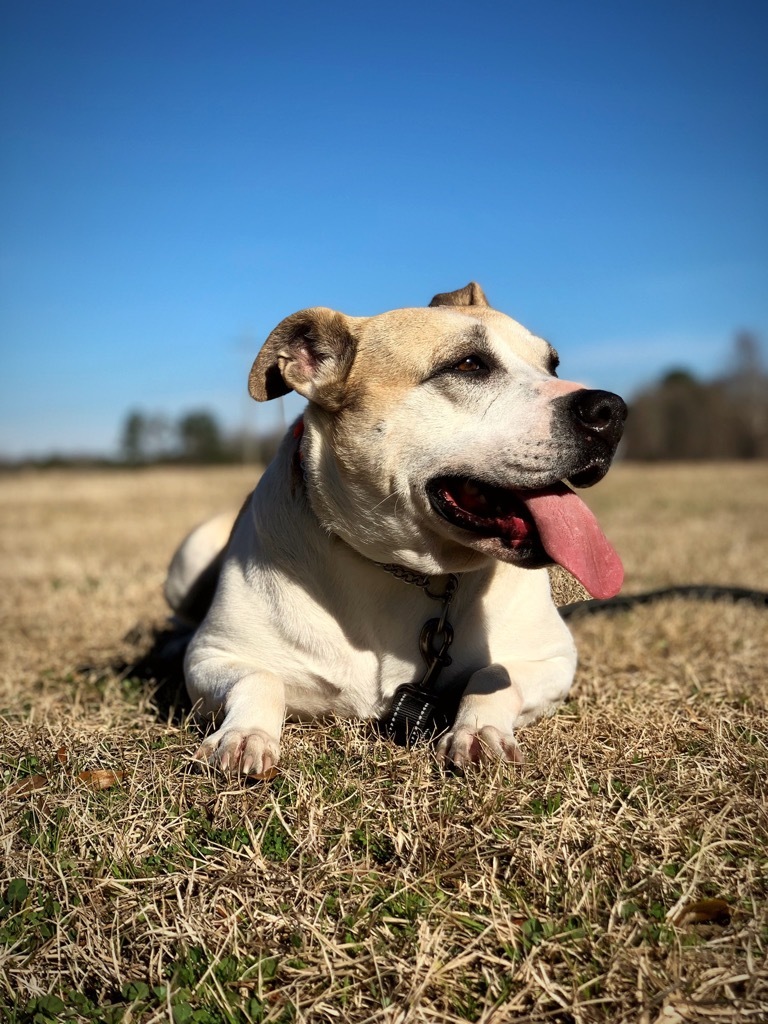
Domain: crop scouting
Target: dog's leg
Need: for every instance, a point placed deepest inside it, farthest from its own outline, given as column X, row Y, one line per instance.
column 495, row 700
column 248, row 740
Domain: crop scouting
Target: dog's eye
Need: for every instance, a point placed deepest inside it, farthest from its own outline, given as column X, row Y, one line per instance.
column 470, row 364
column 472, row 367
column 553, row 362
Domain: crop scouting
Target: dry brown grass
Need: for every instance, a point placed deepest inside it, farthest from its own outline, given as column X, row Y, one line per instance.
column 364, row 884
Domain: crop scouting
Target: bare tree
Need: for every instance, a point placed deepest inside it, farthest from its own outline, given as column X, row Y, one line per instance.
column 134, row 439
column 200, row 437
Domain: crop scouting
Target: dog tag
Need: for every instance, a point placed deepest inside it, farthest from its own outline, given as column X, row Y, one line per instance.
column 414, row 717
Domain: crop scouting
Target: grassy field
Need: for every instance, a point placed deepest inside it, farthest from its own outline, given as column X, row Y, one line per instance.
column 619, row 875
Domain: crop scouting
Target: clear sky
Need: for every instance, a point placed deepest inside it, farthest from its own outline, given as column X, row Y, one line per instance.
column 179, row 175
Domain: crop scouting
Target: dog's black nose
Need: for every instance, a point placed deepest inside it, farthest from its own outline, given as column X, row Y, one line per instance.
column 599, row 414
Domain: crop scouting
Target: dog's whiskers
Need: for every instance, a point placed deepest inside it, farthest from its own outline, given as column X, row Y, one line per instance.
column 394, row 494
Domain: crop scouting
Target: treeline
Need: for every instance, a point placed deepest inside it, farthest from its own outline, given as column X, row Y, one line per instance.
column 682, row 417
column 196, row 437
column 679, row 417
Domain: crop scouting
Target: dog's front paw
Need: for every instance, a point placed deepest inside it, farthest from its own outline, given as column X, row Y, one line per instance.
column 233, row 750
column 478, row 746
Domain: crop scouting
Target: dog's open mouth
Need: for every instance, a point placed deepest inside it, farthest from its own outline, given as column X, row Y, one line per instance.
column 532, row 527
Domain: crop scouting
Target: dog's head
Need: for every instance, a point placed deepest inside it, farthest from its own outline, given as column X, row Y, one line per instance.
column 441, row 437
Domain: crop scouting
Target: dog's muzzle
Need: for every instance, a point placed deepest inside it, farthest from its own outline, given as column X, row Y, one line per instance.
column 535, row 526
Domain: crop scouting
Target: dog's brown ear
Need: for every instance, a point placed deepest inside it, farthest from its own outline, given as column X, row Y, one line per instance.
column 472, row 295
column 310, row 352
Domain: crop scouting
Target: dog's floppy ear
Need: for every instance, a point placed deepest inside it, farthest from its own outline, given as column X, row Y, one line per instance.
column 472, row 295
column 310, row 352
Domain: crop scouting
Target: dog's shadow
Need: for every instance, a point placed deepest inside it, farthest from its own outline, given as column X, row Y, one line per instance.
column 156, row 661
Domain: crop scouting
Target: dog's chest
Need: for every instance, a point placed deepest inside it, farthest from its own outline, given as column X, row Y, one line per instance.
column 351, row 659
column 351, row 665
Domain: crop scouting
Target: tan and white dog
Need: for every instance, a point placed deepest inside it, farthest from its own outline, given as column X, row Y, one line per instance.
column 436, row 439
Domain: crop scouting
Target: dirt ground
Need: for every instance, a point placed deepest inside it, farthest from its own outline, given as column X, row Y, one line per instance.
column 620, row 874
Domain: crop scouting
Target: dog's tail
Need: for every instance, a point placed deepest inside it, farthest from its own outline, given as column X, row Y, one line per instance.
column 193, row 574
column 190, row 585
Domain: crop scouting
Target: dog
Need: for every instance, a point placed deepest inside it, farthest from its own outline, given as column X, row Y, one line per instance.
column 434, row 451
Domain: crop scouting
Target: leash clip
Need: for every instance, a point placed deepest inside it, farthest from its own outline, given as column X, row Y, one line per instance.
column 416, row 712
column 435, row 640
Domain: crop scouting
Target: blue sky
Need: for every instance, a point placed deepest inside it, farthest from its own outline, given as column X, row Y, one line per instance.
column 176, row 177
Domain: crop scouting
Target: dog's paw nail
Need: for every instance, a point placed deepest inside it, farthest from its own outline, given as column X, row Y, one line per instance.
column 237, row 752
column 260, row 753
column 465, row 747
column 513, row 753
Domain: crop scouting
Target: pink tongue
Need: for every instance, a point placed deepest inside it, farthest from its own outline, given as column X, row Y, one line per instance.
column 572, row 538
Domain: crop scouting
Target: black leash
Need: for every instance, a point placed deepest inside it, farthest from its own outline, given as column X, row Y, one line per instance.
column 418, row 712
column 703, row 591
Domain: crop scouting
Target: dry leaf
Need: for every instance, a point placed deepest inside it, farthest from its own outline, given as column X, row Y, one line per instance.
column 62, row 755
column 102, row 778
column 704, row 912
column 266, row 776
column 26, row 786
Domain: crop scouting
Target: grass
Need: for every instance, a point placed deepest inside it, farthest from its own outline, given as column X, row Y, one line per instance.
column 619, row 875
